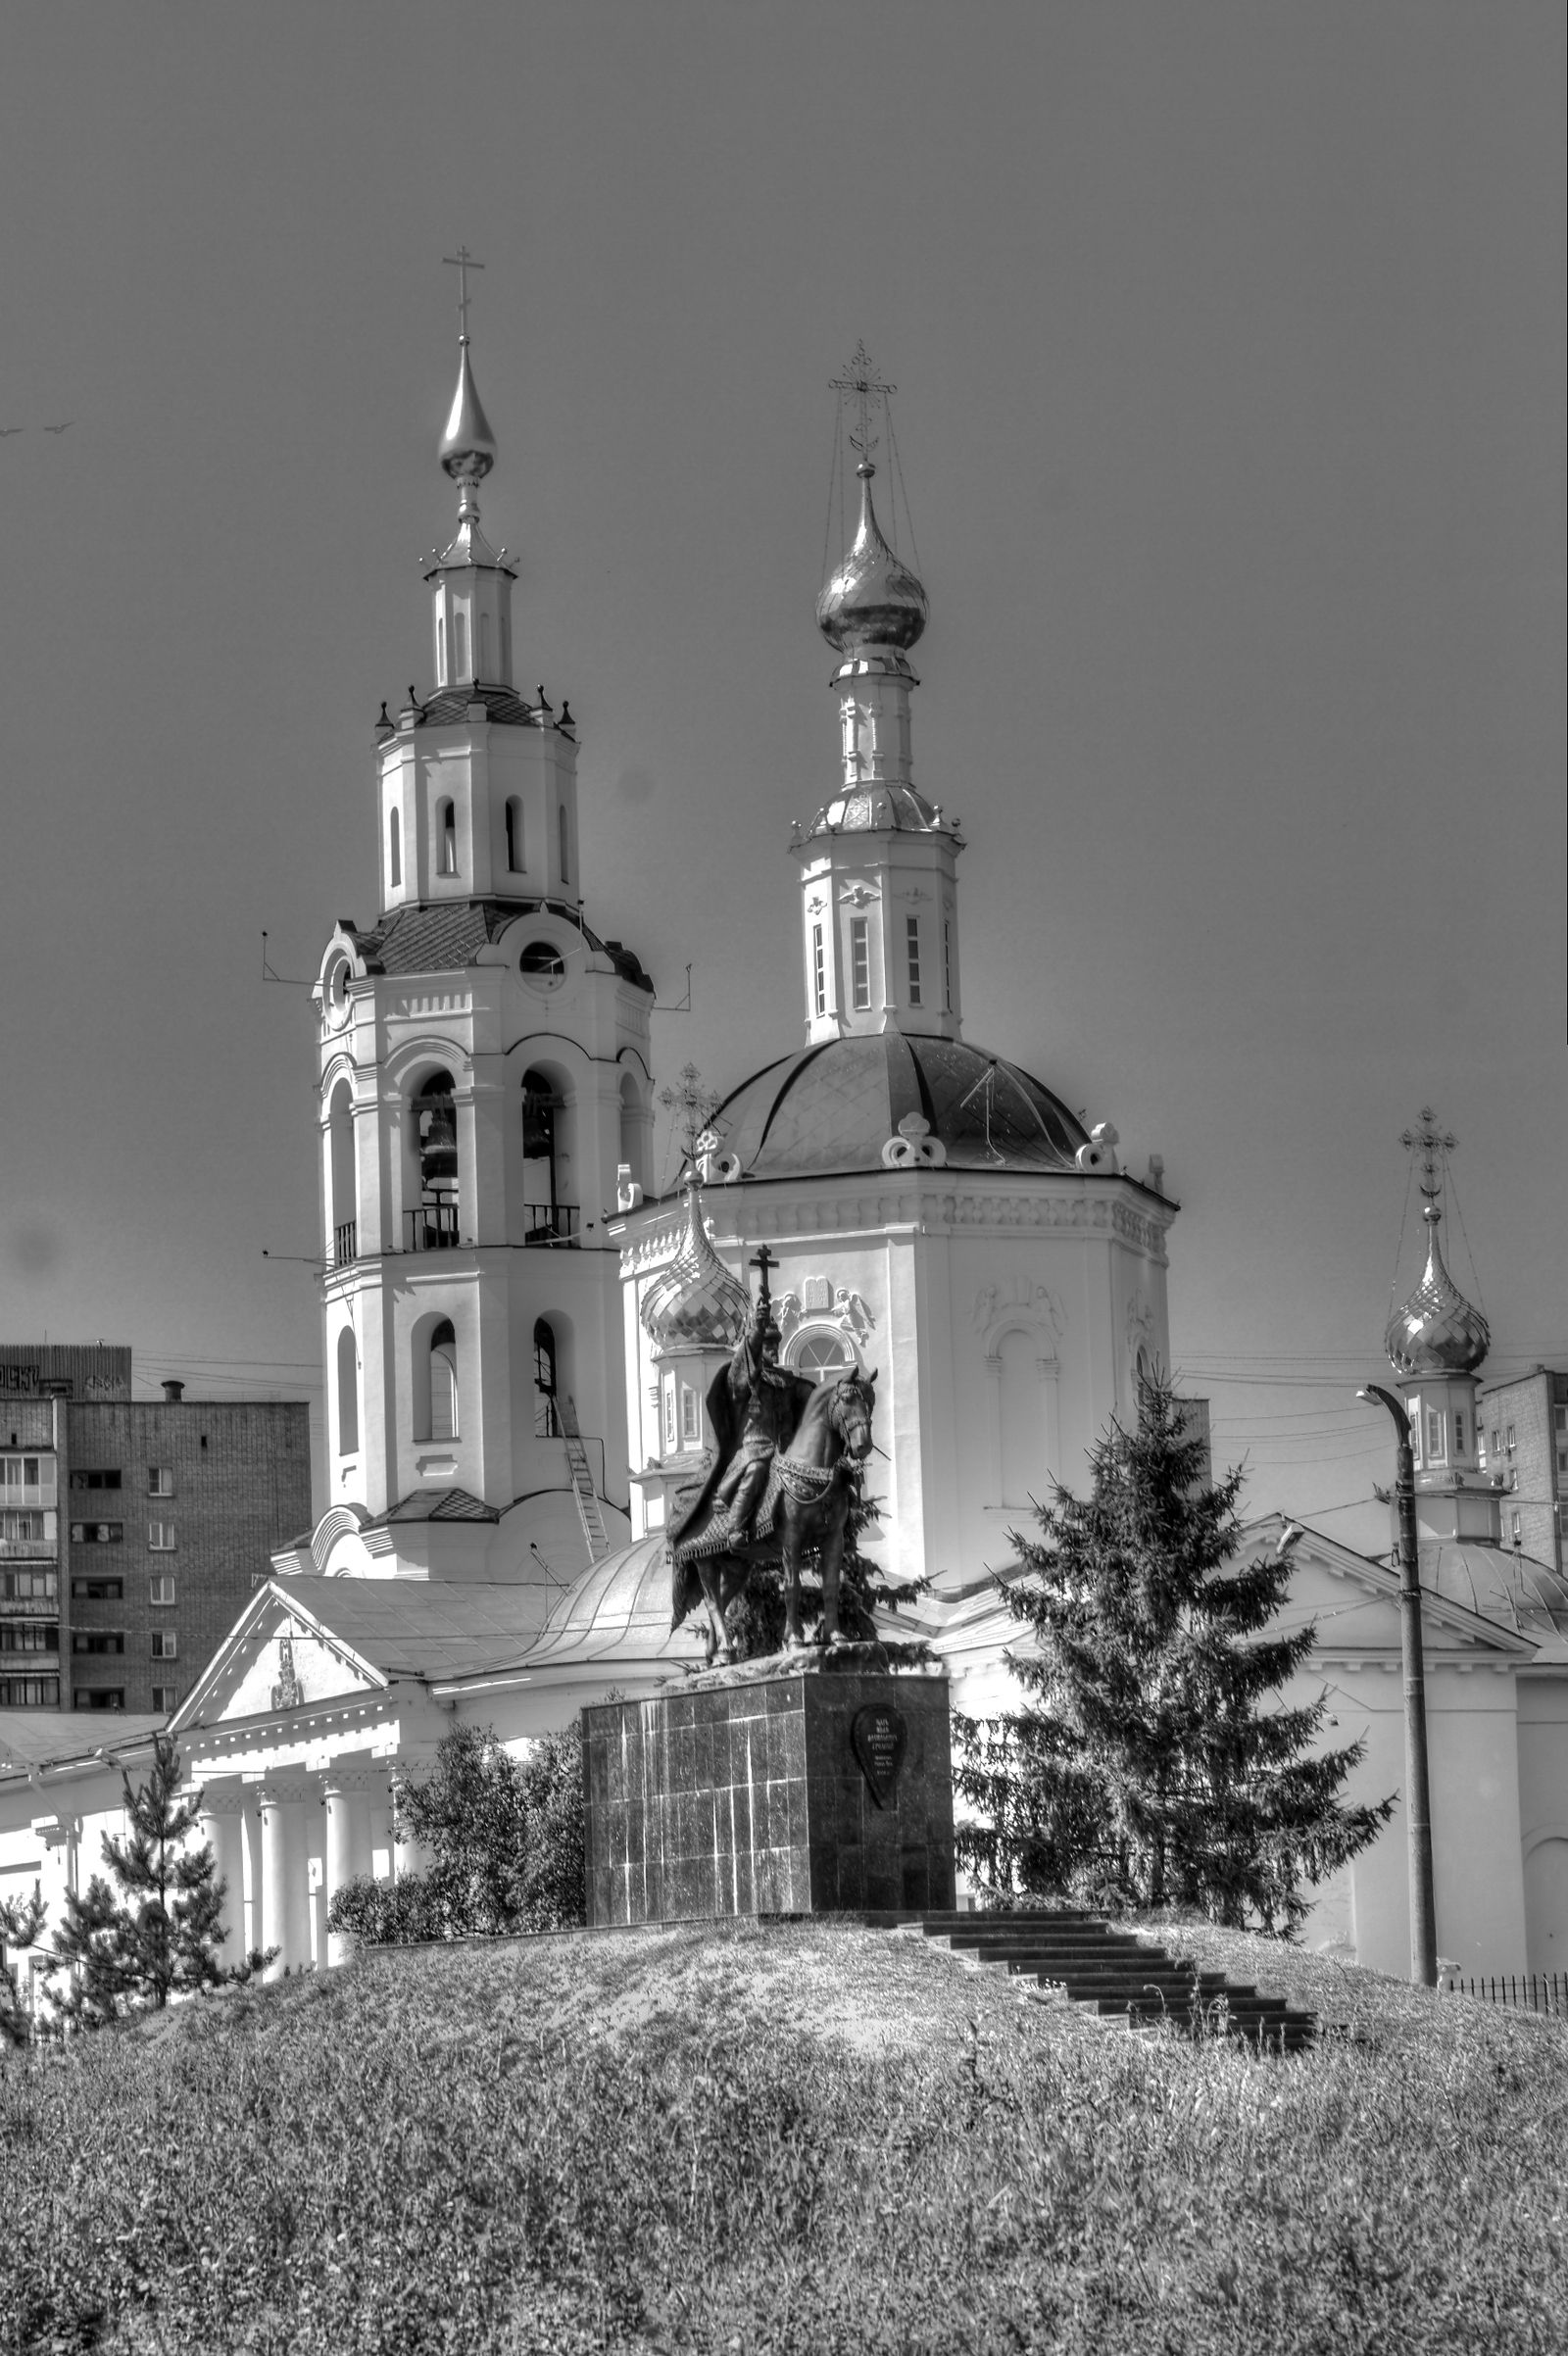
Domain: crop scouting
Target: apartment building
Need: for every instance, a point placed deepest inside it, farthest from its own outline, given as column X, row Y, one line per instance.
column 1524, row 1435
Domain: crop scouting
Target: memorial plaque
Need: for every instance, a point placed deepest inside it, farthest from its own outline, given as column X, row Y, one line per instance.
column 878, row 1735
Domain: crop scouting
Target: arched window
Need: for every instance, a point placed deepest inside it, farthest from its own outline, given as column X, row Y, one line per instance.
column 433, row 1223
column 444, row 1382
column 459, row 641
column 348, row 1393
column 546, row 1421
column 344, row 1208
column 566, row 845
column 446, row 826
column 394, row 849
column 821, row 1353
column 514, row 859
column 539, row 1108
column 482, row 667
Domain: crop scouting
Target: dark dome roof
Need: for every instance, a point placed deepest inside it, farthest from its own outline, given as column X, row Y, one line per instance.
column 834, row 1107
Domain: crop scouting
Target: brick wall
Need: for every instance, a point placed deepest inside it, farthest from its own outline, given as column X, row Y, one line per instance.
column 241, row 1488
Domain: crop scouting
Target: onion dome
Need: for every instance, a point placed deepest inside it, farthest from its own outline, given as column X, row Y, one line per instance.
column 872, row 808
column 872, row 601
column 467, row 447
column 834, row 1106
column 696, row 1303
column 1437, row 1332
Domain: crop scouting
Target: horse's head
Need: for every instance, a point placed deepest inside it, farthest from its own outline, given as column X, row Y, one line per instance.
column 853, row 1402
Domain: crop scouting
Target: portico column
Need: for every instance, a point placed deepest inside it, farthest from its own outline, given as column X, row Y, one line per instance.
column 255, row 1939
column 348, row 1838
column 222, row 1828
column 285, row 1897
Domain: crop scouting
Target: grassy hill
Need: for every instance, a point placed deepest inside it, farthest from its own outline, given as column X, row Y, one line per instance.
column 801, row 2137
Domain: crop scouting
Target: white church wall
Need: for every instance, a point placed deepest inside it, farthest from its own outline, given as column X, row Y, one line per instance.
column 1542, row 1770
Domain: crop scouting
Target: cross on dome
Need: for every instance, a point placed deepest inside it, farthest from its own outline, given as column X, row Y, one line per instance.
column 868, row 390
column 461, row 261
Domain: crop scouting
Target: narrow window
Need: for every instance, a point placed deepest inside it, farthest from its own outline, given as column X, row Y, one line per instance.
column 1496, row 1441
column 912, row 936
column 444, row 1382
column 394, row 849
column 1559, row 1420
column 159, row 1590
column 669, row 1412
column 538, row 1158
column 1415, row 1429
column 160, row 1536
column 818, row 969
column 441, row 647
column 860, row 962
column 946, row 965
column 447, row 828
column 459, row 641
column 166, row 1645
column 690, row 1429
column 566, row 846
column 348, row 1393
column 515, row 864
column 483, row 666
column 1458, row 1432
column 1514, row 1521
column 1510, row 1440
column 506, row 650
column 1434, row 1436
column 546, row 1425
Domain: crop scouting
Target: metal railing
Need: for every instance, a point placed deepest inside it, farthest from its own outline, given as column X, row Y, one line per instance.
column 431, row 1227
column 551, row 1223
column 344, row 1243
column 1523, row 1991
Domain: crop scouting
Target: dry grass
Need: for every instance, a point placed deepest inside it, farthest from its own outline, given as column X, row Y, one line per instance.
column 804, row 2137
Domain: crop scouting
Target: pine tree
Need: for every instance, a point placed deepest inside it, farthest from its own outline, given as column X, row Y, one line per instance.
column 1155, row 1763
column 20, row 1921
column 160, row 1936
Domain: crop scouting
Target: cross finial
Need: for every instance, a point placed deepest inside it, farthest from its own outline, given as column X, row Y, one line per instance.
column 692, row 1104
column 761, row 1261
column 862, row 381
column 461, row 261
column 1432, row 1143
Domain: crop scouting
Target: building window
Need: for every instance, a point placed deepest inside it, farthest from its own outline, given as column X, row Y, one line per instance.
column 28, row 1636
column 159, row 1590
column 99, row 1697
column 97, row 1533
column 29, row 1693
column 23, row 1529
column 1458, row 1432
column 30, row 1586
column 99, row 1591
column 482, row 667
column 506, row 650
column 394, row 849
column 1514, row 1520
column 444, row 1382
column 819, row 970
column 912, row 936
column 514, row 859
column 1559, row 1421
column 348, row 1393
column 546, row 1422
column 1435, row 1436
column 541, row 1223
column 446, row 826
column 165, row 1698
column 92, row 1480
column 691, row 1427
column 1510, row 1440
column 669, row 1412
column 1413, row 1410
column 820, row 1353
column 860, row 962
column 566, row 845
column 159, row 1480
column 166, row 1645
column 459, row 641
column 946, row 965
column 441, row 647
column 98, row 1640
column 160, row 1536
column 1496, row 1441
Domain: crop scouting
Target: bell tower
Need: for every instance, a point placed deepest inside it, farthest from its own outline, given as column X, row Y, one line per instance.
column 879, row 898
column 484, row 1081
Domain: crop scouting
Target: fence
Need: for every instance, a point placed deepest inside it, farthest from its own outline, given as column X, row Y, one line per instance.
column 1525, row 1991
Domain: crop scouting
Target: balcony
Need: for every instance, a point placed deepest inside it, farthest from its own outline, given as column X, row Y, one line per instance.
column 550, row 1223
column 431, row 1227
column 344, row 1243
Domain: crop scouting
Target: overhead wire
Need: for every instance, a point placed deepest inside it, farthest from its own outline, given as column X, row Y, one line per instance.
column 1399, row 1249
column 1475, row 1273
column 898, row 469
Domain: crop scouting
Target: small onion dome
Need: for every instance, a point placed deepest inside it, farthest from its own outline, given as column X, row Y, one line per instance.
column 696, row 1303
column 1437, row 1332
column 467, row 447
column 872, row 600
column 879, row 808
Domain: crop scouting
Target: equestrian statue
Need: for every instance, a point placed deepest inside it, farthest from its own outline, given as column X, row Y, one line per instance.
column 789, row 1451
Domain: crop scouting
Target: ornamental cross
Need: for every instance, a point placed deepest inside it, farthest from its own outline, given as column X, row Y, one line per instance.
column 761, row 1261
column 1431, row 1141
column 692, row 1105
column 861, row 378
column 461, row 261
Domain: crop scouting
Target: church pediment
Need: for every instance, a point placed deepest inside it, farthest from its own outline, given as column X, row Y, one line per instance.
column 1354, row 1603
column 279, row 1656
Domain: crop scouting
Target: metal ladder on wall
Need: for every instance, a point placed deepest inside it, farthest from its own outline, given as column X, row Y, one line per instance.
column 582, row 1481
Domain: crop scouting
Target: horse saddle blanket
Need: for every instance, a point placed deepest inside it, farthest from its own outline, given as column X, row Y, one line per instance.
column 718, row 1534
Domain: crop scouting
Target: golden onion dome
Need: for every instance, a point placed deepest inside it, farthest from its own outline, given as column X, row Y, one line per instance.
column 1437, row 1332
column 467, row 446
column 872, row 600
column 696, row 1303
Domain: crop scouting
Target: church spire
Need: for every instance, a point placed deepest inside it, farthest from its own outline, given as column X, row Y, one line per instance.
column 472, row 601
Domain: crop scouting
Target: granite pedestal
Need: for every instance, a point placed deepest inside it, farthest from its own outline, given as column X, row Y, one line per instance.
column 778, row 1789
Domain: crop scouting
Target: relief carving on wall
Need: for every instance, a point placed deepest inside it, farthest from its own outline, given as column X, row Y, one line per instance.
column 823, row 1304
column 1018, row 1301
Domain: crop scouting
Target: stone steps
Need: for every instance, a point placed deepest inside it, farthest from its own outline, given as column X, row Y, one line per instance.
column 1110, row 1970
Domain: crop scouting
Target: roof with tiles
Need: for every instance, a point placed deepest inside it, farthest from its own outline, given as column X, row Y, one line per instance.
column 443, row 936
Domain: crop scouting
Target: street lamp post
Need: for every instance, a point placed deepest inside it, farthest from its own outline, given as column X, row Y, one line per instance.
column 1417, row 1785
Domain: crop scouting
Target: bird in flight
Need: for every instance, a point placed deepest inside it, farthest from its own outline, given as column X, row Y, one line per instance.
column 70, row 422
column 5, row 430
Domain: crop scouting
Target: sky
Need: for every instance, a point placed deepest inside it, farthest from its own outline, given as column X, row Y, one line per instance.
column 1228, row 346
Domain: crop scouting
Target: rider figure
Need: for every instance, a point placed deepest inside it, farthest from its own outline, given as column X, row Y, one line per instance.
column 766, row 1411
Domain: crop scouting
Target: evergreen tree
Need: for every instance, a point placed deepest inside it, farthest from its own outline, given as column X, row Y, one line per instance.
column 20, row 1921
column 1155, row 1763
column 158, row 1938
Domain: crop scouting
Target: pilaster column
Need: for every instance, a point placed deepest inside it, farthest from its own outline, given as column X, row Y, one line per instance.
column 347, row 1836
column 222, row 1828
column 285, row 1895
column 255, row 1933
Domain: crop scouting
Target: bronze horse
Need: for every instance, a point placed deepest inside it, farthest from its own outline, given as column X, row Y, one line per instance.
column 807, row 1502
